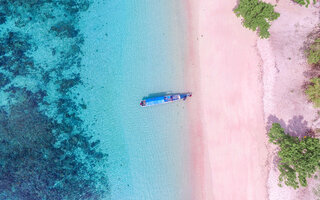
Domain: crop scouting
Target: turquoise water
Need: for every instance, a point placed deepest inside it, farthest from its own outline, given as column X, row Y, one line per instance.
column 72, row 74
column 133, row 49
column 46, row 150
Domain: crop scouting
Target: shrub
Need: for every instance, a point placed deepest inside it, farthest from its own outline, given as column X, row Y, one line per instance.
column 313, row 91
column 256, row 15
column 313, row 53
column 299, row 158
column 304, row 2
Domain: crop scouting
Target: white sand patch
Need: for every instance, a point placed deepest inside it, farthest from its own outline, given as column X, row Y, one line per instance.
column 269, row 67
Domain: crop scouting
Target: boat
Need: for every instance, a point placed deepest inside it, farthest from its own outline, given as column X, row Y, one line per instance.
column 152, row 101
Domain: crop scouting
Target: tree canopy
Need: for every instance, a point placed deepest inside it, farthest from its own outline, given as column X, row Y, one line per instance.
column 313, row 52
column 299, row 158
column 256, row 15
column 304, row 2
column 313, row 91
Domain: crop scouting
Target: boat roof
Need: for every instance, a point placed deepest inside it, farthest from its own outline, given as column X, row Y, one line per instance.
column 155, row 100
column 163, row 99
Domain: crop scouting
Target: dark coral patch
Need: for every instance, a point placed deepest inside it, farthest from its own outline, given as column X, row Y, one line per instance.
column 66, row 84
column 4, row 80
column 43, row 139
column 13, row 54
column 2, row 18
column 64, row 29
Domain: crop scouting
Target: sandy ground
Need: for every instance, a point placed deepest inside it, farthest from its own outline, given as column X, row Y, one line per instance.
column 285, row 71
column 201, row 175
column 229, row 113
column 238, row 103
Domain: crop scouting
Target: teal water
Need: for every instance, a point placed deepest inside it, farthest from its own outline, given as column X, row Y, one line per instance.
column 46, row 150
column 72, row 74
column 133, row 49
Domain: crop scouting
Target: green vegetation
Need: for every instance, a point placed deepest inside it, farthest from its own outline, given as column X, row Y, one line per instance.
column 256, row 15
column 299, row 158
column 304, row 2
column 313, row 91
column 313, row 52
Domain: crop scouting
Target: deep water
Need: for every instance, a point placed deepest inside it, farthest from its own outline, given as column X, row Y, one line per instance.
column 46, row 151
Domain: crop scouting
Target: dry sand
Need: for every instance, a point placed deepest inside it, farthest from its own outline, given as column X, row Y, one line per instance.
column 284, row 74
column 237, row 102
column 228, row 119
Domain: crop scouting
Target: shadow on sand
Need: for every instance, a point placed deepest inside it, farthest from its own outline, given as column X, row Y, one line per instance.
column 296, row 126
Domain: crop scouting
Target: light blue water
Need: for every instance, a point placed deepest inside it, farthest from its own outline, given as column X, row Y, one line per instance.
column 133, row 48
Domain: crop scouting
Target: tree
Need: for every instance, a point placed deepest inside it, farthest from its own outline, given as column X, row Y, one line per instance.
column 313, row 91
column 299, row 158
column 313, row 52
column 256, row 15
column 304, row 2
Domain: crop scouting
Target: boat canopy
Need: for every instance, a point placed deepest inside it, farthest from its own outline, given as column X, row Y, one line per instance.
column 164, row 99
column 154, row 101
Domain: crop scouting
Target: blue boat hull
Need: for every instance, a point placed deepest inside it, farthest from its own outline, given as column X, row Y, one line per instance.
column 164, row 99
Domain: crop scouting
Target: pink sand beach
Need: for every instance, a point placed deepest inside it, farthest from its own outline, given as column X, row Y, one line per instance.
column 240, row 84
column 230, row 151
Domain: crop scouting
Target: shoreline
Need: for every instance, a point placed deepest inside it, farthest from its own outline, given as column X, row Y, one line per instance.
column 231, row 118
column 199, row 156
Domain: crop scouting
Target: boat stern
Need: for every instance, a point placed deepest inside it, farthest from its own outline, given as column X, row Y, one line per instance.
column 185, row 95
column 143, row 103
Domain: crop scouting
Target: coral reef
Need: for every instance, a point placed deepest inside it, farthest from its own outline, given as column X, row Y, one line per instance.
column 46, row 152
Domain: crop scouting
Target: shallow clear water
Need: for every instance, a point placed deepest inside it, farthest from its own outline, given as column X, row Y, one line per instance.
column 72, row 73
column 133, row 49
